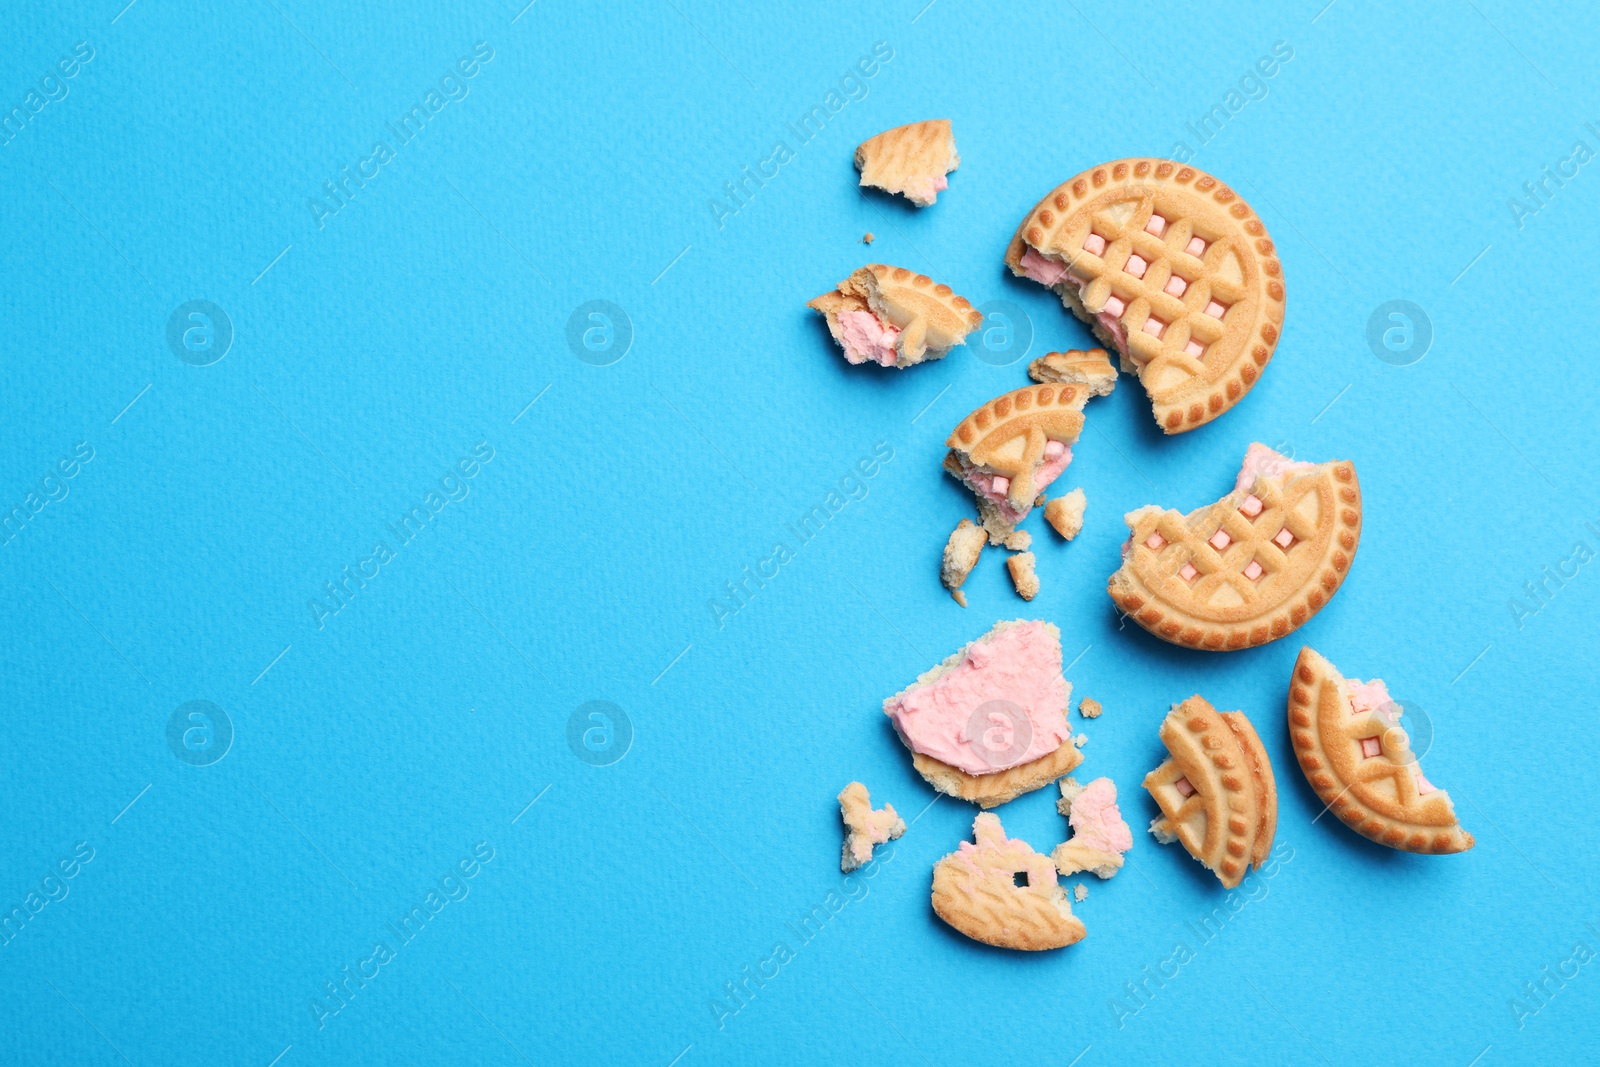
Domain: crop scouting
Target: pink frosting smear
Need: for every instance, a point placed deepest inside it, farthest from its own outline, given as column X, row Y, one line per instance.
column 993, row 842
column 1262, row 462
column 868, row 339
column 1020, row 665
column 925, row 188
column 1096, row 820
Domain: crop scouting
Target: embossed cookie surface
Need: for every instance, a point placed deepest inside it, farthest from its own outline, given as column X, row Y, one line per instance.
column 1003, row 893
column 1216, row 791
column 1172, row 269
column 1361, row 765
column 1248, row 569
column 909, row 318
column 911, row 160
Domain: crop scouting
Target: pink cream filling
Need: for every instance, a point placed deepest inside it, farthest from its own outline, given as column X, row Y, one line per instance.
column 1049, row 273
column 866, row 338
column 1262, row 462
column 1372, row 696
column 997, row 847
column 996, row 487
column 1020, row 666
column 924, row 188
column 1096, row 821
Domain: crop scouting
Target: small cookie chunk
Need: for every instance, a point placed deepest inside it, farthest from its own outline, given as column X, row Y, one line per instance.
column 1099, row 834
column 863, row 827
column 1089, row 708
column 1250, row 568
column 910, row 160
column 1216, row 791
column 1080, row 892
column 1022, row 575
column 1091, row 369
column 1080, row 740
column 989, row 723
column 1019, row 541
column 895, row 317
column 960, row 556
column 1354, row 752
column 867, row 238
column 1065, row 513
column 1003, row 893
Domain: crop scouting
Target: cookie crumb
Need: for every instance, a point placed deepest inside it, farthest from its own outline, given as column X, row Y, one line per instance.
column 1022, row 575
column 863, row 827
column 867, row 239
column 1080, row 740
column 1089, row 708
column 1080, row 892
column 1019, row 540
column 959, row 597
column 1065, row 513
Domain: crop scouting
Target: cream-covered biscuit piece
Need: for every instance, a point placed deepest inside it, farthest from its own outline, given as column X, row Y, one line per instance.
column 1250, row 568
column 1351, row 748
column 1216, row 791
column 863, row 827
column 1169, row 267
column 989, row 723
column 1099, row 834
column 1012, row 448
column 1003, row 893
column 911, row 160
column 895, row 317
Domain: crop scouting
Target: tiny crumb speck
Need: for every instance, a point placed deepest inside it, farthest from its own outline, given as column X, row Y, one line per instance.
column 868, row 239
column 1080, row 892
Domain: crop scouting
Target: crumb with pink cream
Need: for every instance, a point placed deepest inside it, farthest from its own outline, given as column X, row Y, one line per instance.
column 1100, row 836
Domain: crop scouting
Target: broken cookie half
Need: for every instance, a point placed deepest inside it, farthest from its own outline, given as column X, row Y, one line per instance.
column 910, row 160
column 865, row 828
column 1352, row 749
column 997, row 890
column 894, row 317
column 1100, row 836
column 1216, row 791
column 1169, row 267
column 1009, row 450
column 989, row 723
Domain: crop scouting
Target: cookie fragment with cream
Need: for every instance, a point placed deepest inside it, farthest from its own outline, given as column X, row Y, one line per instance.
column 998, row 890
column 1100, row 836
column 864, row 827
column 894, row 317
column 911, row 160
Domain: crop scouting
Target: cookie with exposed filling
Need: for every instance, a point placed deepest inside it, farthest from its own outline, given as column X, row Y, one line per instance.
column 910, row 160
column 895, row 317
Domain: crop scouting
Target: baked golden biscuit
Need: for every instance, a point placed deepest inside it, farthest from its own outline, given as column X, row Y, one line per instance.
column 1091, row 369
column 1010, row 450
column 989, row 723
column 910, row 160
column 1089, row 708
column 1216, row 792
column 863, row 827
column 1250, row 568
column 1348, row 740
column 895, row 317
column 1065, row 514
column 976, row 890
column 1169, row 267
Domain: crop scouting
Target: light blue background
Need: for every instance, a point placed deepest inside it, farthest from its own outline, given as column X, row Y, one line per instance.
column 371, row 354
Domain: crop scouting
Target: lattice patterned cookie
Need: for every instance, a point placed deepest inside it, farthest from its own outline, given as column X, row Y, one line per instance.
column 1003, row 893
column 1010, row 449
column 1250, row 568
column 1169, row 267
column 864, row 827
column 1348, row 740
column 1217, row 794
column 910, row 160
column 894, row 317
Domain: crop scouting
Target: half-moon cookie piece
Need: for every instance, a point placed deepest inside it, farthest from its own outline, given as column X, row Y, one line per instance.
column 895, row 317
column 911, row 160
column 1010, row 450
column 990, row 722
column 1216, row 791
column 1003, row 893
column 1169, row 267
column 1350, row 745
column 1250, row 568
